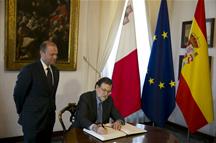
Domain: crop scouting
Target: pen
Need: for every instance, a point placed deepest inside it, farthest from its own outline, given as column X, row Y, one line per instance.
column 100, row 125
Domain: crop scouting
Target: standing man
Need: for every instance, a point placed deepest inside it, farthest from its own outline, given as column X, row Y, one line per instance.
column 34, row 95
column 95, row 108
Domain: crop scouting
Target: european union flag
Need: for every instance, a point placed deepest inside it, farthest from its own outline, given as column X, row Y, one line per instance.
column 158, row 97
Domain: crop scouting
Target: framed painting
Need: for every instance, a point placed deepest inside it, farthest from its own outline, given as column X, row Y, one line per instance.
column 30, row 22
column 186, row 26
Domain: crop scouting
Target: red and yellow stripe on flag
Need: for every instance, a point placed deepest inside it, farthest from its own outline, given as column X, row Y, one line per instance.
column 194, row 95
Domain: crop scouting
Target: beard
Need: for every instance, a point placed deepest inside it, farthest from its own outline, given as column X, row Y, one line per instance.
column 103, row 98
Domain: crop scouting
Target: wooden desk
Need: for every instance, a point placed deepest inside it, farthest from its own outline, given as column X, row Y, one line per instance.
column 153, row 135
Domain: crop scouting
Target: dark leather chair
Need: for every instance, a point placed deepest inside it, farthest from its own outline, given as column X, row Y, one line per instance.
column 71, row 108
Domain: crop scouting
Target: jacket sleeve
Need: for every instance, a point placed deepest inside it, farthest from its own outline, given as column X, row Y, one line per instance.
column 22, row 87
column 83, row 115
column 115, row 115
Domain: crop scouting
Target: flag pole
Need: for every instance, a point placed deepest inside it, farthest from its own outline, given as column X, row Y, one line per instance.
column 87, row 61
column 188, row 136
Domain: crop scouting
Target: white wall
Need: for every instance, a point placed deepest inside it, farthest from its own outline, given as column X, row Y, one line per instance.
column 183, row 10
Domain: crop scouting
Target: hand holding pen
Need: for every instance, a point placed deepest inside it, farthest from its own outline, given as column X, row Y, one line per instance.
column 100, row 129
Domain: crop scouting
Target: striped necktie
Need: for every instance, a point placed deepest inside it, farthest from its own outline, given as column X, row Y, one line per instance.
column 100, row 113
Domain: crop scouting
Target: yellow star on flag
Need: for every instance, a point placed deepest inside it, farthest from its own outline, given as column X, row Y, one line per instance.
column 172, row 83
column 161, row 85
column 154, row 37
column 164, row 35
column 151, row 81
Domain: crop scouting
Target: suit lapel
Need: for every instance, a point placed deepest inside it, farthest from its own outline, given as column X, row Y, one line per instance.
column 105, row 104
column 94, row 101
column 54, row 72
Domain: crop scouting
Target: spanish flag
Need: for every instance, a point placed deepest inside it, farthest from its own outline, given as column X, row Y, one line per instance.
column 194, row 94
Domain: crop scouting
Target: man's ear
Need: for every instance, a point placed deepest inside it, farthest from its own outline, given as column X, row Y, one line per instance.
column 41, row 52
column 96, row 86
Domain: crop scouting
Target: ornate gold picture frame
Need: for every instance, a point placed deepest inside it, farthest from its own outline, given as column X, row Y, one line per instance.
column 30, row 22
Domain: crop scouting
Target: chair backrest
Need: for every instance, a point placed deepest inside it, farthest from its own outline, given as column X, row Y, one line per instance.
column 71, row 107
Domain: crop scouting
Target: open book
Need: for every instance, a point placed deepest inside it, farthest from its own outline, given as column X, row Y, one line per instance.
column 127, row 129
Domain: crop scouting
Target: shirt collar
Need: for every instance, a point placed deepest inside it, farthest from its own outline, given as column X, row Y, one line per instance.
column 44, row 65
column 98, row 100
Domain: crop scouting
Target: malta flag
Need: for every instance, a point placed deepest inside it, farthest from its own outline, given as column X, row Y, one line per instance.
column 194, row 95
column 126, row 81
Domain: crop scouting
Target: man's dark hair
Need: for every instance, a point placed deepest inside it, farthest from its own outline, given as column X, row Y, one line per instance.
column 44, row 45
column 105, row 80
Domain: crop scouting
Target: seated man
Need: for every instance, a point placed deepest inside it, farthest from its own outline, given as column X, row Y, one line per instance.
column 96, row 107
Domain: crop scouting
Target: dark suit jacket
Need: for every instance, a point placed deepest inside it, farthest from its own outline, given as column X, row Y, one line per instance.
column 35, row 101
column 87, row 110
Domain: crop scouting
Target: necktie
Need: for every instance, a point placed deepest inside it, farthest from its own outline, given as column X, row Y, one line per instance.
column 99, row 113
column 49, row 78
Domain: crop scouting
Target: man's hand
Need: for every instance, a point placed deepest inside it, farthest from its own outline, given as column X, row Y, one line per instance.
column 102, row 130
column 99, row 129
column 117, row 125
